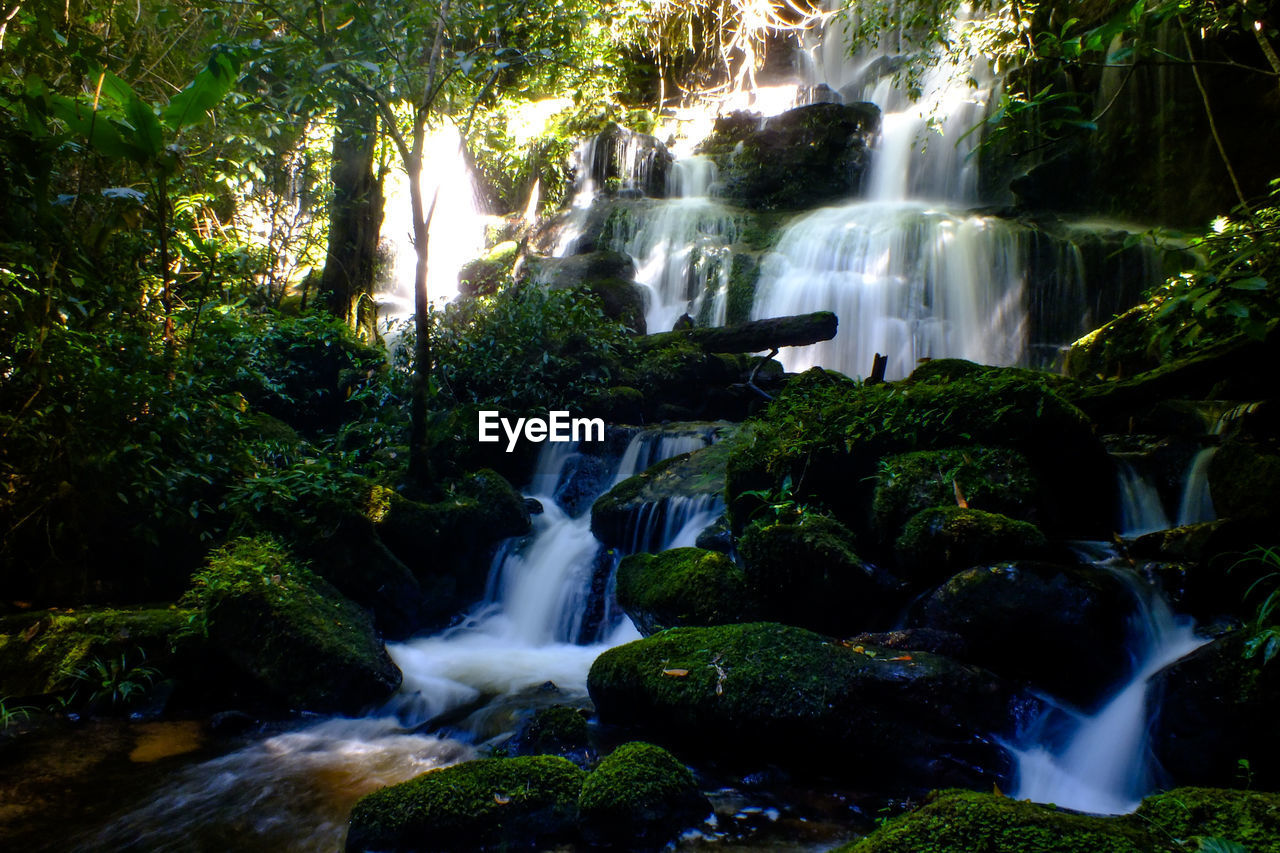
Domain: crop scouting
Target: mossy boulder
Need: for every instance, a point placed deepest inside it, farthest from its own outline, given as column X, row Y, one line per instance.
column 940, row 541
column 640, row 797
column 485, row 275
column 490, row 803
column 689, row 477
column 45, row 652
column 762, row 692
column 1060, row 628
column 684, row 586
column 1248, row 818
column 292, row 636
column 966, row 822
column 553, row 730
column 799, row 159
column 448, row 543
column 807, row 573
column 993, row 479
column 829, row 433
column 1217, row 708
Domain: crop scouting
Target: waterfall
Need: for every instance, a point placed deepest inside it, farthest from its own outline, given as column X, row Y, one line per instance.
column 1101, row 762
column 1197, row 504
column 1141, row 510
column 536, row 622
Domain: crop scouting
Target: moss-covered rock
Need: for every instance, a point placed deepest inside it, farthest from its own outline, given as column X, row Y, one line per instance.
column 554, row 730
column 640, row 797
column 695, row 476
column 46, row 652
column 939, row 541
column 1249, row 818
column 485, row 275
column 448, row 543
column 1061, row 628
column 993, row 479
column 967, row 822
column 684, row 586
column 289, row 632
column 807, row 573
column 1244, row 480
column 799, row 159
column 491, row 803
column 1217, row 708
column 763, row 692
column 828, row 433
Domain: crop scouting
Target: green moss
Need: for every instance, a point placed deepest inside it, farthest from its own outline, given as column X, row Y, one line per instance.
column 683, row 586
column 281, row 624
column 492, row 802
column 827, row 434
column 41, row 652
column 990, row 478
column 1250, row 818
column 554, row 730
column 640, row 795
column 966, row 822
column 744, row 274
column 939, row 541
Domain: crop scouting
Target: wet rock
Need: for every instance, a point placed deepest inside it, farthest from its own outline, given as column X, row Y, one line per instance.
column 993, row 479
column 939, row 541
column 1060, row 628
column 717, row 537
column 490, row 803
column 639, row 798
column 485, row 275
column 280, row 625
column 1244, row 480
column 1216, row 708
column 808, row 573
column 682, row 587
column 555, row 730
column 625, row 160
column 231, row 723
column 916, row 640
column 796, row 160
column 767, row 693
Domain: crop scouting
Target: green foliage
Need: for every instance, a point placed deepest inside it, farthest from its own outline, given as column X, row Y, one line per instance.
column 1264, row 628
column 527, row 350
column 111, row 682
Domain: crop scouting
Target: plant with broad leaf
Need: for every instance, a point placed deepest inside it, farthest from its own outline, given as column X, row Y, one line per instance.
column 1264, row 632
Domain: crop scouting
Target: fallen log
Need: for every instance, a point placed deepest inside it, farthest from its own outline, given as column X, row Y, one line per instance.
column 754, row 335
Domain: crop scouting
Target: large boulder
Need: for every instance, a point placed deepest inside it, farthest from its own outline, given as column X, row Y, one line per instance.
column 1060, row 628
column 487, row 804
column 799, row 159
column 639, row 798
column 682, row 587
column 994, row 479
column 295, row 640
column 806, row 572
column 1247, row 818
column 940, row 541
column 1217, row 708
column 762, row 692
column 553, row 730
column 828, row 435
column 1244, row 480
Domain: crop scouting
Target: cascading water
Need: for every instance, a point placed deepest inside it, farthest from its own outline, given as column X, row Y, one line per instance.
column 1196, row 504
column 1101, row 762
column 1141, row 509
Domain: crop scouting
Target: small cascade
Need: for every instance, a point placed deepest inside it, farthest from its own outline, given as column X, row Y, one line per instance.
column 548, row 613
column 457, row 230
column 691, row 177
column 1101, row 762
column 1197, row 504
column 1141, row 509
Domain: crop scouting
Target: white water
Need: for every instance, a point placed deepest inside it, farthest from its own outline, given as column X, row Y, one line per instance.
column 1197, row 503
column 1101, row 763
column 1141, row 510
column 529, row 629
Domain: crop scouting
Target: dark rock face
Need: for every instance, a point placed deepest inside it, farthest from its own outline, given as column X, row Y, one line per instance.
column 639, row 798
column 764, row 692
column 554, row 730
column 799, row 159
column 1216, row 708
column 1060, row 628
column 607, row 275
column 1244, row 480
column 637, row 162
column 683, row 587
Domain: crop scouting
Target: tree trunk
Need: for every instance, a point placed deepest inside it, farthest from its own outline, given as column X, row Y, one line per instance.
column 754, row 335
column 355, row 218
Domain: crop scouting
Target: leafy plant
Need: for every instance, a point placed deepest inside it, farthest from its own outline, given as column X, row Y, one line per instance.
column 1264, row 636
column 12, row 715
column 112, row 682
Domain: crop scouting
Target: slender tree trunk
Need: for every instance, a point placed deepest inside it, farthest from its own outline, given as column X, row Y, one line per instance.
column 355, row 216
